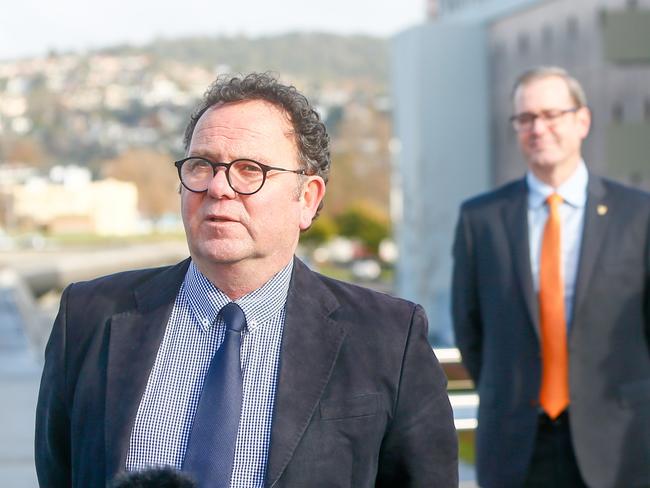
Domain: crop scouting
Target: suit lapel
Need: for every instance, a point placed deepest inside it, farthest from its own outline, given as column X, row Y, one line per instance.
column 310, row 345
column 593, row 235
column 516, row 222
column 135, row 337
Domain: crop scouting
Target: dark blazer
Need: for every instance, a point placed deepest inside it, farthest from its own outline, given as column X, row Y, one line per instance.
column 361, row 400
column 495, row 313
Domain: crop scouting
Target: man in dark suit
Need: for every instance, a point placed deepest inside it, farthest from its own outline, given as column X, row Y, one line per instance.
column 240, row 365
column 551, row 308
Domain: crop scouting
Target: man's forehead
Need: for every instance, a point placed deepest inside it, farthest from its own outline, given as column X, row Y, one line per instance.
column 255, row 116
column 548, row 90
column 253, row 129
column 255, row 109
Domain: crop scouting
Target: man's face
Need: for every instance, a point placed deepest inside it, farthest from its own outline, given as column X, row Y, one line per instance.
column 552, row 145
column 226, row 228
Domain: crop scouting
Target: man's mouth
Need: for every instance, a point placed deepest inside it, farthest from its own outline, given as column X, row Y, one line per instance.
column 219, row 218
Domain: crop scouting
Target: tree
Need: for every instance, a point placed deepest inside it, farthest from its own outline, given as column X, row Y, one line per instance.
column 322, row 230
column 366, row 223
column 154, row 175
column 25, row 150
column 360, row 159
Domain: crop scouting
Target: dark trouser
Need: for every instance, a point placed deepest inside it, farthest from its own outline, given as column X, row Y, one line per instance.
column 554, row 464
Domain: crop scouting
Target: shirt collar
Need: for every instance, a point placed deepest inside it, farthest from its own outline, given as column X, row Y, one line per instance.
column 206, row 300
column 573, row 191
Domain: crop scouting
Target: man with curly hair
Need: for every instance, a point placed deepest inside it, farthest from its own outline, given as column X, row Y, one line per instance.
column 240, row 366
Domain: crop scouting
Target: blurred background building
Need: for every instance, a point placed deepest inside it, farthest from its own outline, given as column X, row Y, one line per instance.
column 452, row 80
column 68, row 201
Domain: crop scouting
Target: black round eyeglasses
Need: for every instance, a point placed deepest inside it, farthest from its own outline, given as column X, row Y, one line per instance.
column 245, row 176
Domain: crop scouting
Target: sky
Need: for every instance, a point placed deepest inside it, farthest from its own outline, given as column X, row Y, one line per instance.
column 34, row 27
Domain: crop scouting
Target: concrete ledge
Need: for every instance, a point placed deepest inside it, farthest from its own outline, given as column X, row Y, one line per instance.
column 22, row 332
column 47, row 270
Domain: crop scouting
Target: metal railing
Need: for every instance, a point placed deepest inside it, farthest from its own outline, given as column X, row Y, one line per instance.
column 462, row 395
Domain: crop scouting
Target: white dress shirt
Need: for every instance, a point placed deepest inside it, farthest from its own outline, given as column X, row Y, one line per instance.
column 193, row 334
column 572, row 210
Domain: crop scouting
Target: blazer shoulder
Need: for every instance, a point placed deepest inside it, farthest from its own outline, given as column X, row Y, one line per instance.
column 625, row 193
column 495, row 198
column 116, row 291
column 360, row 297
column 361, row 311
column 115, row 281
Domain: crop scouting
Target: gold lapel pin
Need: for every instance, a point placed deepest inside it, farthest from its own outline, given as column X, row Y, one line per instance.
column 601, row 209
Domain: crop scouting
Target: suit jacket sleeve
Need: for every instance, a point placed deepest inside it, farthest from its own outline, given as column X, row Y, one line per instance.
column 420, row 448
column 464, row 297
column 52, row 439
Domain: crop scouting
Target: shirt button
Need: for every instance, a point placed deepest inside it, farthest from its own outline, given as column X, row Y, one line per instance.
column 205, row 322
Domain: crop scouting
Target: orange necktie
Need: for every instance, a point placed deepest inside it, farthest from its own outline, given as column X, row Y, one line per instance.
column 554, row 392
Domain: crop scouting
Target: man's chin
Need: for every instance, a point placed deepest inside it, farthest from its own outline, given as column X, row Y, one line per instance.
column 542, row 161
column 218, row 255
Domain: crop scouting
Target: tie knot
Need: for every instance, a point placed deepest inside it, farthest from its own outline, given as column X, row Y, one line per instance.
column 233, row 316
column 554, row 200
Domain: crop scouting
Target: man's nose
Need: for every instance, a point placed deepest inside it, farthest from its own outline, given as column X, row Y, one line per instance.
column 538, row 125
column 219, row 186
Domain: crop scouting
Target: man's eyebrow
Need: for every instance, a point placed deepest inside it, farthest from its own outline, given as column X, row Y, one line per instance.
column 198, row 154
column 251, row 156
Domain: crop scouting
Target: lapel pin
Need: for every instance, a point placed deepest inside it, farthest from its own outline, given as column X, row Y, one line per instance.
column 601, row 209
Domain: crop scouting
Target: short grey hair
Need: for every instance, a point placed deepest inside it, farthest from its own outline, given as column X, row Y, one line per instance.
column 539, row 72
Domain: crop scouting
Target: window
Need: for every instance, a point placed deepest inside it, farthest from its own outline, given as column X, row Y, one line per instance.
column 547, row 36
column 522, row 44
column 572, row 28
column 498, row 53
column 617, row 112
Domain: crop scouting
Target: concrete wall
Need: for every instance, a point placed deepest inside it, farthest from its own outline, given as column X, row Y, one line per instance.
column 439, row 88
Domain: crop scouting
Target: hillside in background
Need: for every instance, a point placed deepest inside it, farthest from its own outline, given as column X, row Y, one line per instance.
column 310, row 56
column 127, row 107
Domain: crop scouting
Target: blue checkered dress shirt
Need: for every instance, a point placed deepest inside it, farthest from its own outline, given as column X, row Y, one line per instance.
column 193, row 334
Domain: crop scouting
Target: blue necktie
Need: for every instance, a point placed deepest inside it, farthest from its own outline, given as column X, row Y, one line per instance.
column 211, row 445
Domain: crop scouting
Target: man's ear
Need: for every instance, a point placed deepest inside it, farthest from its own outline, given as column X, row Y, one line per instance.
column 312, row 193
column 583, row 116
